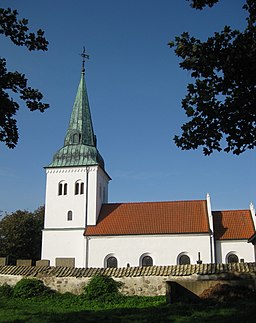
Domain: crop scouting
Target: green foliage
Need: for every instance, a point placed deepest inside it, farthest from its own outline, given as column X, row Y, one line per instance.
column 27, row 288
column 221, row 102
column 21, row 234
column 72, row 308
column 6, row 290
column 102, row 287
column 18, row 31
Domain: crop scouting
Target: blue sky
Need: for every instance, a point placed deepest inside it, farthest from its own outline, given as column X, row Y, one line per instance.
column 135, row 87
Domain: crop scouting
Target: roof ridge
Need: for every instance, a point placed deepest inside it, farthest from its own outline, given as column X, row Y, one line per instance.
column 153, row 202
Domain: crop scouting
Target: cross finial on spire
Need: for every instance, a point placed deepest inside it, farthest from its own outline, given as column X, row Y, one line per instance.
column 84, row 56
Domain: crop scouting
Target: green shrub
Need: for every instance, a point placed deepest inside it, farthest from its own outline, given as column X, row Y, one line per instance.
column 27, row 288
column 102, row 287
column 6, row 290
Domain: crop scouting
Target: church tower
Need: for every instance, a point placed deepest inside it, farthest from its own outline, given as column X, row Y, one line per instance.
column 76, row 187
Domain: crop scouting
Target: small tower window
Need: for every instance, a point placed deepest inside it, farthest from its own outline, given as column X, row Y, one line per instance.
column 65, row 191
column 79, row 188
column 62, row 188
column 82, row 188
column 70, row 216
column 75, row 138
column 76, row 188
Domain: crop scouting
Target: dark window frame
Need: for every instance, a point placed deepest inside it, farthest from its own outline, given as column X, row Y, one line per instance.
column 184, row 260
column 232, row 261
column 60, row 187
column 82, row 188
column 79, row 188
column 146, row 261
column 70, row 215
column 65, row 190
column 111, row 262
column 76, row 188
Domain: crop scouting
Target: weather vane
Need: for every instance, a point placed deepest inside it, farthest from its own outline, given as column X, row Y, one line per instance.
column 84, row 56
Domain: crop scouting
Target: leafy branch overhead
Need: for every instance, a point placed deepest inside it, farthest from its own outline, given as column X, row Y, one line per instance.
column 221, row 101
column 15, row 82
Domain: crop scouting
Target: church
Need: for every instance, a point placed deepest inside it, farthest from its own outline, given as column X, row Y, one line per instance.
column 81, row 229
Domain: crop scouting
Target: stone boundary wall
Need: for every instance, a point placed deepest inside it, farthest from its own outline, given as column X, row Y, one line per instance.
column 146, row 281
column 184, row 290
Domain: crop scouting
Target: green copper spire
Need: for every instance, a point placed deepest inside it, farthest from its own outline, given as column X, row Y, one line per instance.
column 80, row 142
column 80, row 128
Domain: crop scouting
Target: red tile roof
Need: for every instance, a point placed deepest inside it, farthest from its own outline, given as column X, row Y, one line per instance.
column 234, row 224
column 151, row 218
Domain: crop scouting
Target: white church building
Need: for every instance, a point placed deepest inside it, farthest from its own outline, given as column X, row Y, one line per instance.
column 82, row 229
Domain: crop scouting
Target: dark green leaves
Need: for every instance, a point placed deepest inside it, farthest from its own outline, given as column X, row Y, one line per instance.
column 221, row 101
column 18, row 32
column 200, row 4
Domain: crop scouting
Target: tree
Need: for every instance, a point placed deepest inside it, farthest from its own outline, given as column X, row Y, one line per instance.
column 221, row 101
column 15, row 82
column 21, row 234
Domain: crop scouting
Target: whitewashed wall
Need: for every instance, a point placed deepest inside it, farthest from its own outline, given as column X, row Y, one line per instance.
column 241, row 248
column 97, row 184
column 163, row 249
column 63, row 237
column 57, row 206
column 64, row 244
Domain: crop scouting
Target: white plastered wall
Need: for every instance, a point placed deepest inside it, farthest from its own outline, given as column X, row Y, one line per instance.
column 57, row 206
column 164, row 249
column 64, row 244
column 97, row 183
column 63, row 237
column 241, row 248
column 252, row 210
column 210, row 219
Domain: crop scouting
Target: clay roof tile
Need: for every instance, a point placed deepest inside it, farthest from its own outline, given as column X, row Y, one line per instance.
column 233, row 224
column 151, row 218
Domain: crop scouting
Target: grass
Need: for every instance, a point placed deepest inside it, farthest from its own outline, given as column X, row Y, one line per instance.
column 71, row 308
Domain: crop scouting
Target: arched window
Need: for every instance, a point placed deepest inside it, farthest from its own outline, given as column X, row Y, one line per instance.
column 184, row 260
column 79, row 187
column 75, row 138
column 146, row 261
column 62, row 188
column 70, row 216
column 76, row 188
column 82, row 188
column 232, row 258
column 65, row 191
column 111, row 262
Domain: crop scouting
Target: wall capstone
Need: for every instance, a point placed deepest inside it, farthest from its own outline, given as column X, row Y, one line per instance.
column 144, row 281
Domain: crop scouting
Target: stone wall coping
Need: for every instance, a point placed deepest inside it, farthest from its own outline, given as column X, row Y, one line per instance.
column 174, row 270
